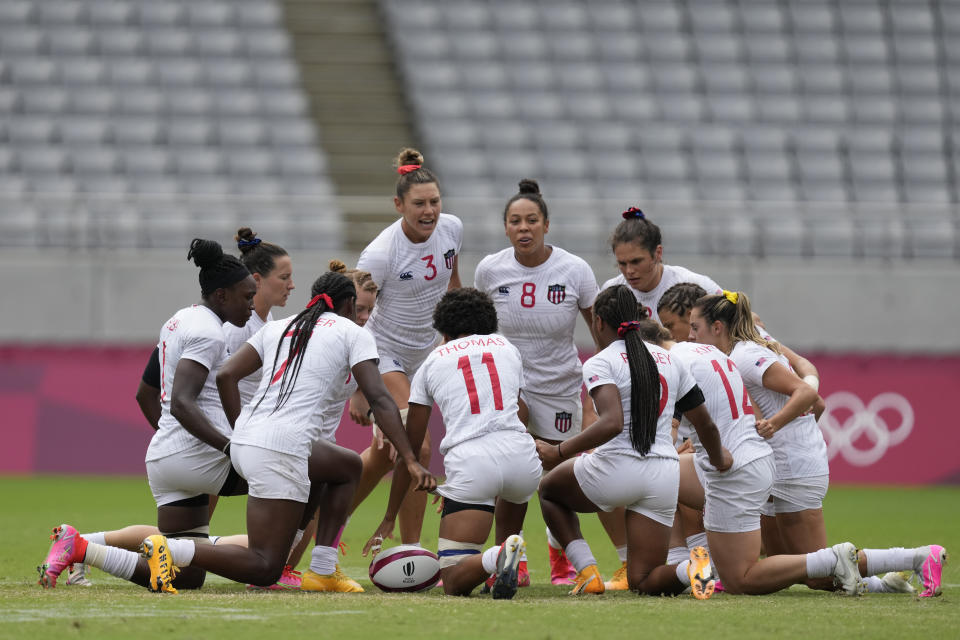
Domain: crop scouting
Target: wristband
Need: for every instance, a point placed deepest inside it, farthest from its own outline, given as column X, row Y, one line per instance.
column 813, row 381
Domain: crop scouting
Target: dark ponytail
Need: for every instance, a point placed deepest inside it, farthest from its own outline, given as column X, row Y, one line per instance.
column 217, row 269
column 617, row 307
column 528, row 189
column 259, row 257
column 328, row 291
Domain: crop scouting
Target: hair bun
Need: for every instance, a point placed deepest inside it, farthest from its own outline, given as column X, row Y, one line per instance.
column 205, row 253
column 408, row 156
column 246, row 239
column 337, row 266
column 528, row 185
column 632, row 213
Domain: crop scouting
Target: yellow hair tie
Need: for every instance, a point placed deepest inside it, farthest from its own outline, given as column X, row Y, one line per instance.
column 732, row 296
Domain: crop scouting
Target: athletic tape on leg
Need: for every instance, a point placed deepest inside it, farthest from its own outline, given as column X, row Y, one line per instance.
column 451, row 552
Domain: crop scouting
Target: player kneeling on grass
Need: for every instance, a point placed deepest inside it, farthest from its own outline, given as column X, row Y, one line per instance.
column 635, row 387
column 278, row 448
column 475, row 378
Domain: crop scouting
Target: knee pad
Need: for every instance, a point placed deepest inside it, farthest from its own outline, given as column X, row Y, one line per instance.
column 451, row 552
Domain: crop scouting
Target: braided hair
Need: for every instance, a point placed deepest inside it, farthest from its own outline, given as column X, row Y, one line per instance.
column 329, row 291
column 732, row 308
column 528, row 189
column 617, row 307
column 680, row 298
column 636, row 228
column 409, row 164
column 259, row 257
column 217, row 269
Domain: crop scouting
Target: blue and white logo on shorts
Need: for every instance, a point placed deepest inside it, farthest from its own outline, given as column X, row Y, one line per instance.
column 563, row 422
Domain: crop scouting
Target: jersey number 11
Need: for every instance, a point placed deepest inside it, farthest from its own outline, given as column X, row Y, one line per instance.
column 464, row 365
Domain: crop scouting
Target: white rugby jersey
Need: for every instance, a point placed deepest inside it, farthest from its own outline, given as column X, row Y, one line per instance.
column 235, row 337
column 412, row 278
column 330, row 411
column 337, row 344
column 672, row 275
column 537, row 310
column 194, row 333
column 610, row 366
column 727, row 401
column 798, row 448
column 475, row 381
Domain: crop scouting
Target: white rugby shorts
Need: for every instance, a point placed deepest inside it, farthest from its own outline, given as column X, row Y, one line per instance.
column 736, row 499
column 647, row 486
column 499, row 463
column 272, row 475
column 797, row 494
column 552, row 417
column 187, row 474
column 396, row 358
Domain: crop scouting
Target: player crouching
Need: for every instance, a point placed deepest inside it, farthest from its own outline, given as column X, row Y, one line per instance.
column 475, row 378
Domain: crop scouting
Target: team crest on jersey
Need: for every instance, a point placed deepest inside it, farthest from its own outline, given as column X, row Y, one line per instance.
column 503, row 291
column 556, row 293
column 449, row 257
column 564, row 421
column 406, row 275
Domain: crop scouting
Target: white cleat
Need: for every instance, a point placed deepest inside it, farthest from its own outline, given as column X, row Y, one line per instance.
column 895, row 582
column 77, row 576
column 846, row 573
column 508, row 560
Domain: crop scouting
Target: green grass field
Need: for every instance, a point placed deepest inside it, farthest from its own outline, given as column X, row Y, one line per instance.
column 30, row 506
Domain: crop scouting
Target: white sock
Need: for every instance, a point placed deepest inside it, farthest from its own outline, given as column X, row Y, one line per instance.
column 297, row 537
column 489, row 559
column 579, row 554
column 114, row 560
column 553, row 542
column 323, row 560
column 698, row 540
column 880, row 561
column 99, row 537
column 875, row 585
column 622, row 553
column 676, row 555
column 682, row 572
column 523, row 557
column 181, row 551
column 820, row 564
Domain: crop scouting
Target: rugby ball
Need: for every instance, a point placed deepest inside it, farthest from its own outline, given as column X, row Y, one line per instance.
column 405, row 568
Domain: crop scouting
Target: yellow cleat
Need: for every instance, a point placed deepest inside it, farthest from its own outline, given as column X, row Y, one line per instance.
column 162, row 571
column 336, row 582
column 619, row 580
column 700, row 572
column 588, row 581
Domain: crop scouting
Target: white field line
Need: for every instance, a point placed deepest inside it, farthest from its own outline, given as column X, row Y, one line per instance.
column 49, row 613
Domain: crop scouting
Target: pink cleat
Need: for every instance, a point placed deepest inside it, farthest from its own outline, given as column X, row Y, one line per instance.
column 523, row 574
column 561, row 571
column 717, row 586
column 67, row 548
column 931, row 569
column 289, row 581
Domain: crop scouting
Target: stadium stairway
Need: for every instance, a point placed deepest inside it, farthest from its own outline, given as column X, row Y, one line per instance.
column 347, row 69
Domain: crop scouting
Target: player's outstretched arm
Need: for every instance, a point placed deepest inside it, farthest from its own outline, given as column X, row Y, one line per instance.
column 188, row 381
column 242, row 363
column 387, row 417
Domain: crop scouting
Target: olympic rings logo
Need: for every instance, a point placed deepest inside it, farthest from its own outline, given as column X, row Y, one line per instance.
column 856, row 420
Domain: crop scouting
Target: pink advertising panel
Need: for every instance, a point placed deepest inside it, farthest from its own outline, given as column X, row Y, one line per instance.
column 889, row 419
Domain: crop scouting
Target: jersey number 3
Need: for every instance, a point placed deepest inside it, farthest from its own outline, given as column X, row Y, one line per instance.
column 430, row 265
column 464, row 365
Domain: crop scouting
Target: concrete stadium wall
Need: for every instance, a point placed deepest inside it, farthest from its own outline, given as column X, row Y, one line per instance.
column 122, row 297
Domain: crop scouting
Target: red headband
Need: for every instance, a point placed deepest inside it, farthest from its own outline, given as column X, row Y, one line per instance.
column 627, row 327
column 404, row 169
column 318, row 298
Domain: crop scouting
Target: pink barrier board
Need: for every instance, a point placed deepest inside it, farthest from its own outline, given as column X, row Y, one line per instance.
column 889, row 419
